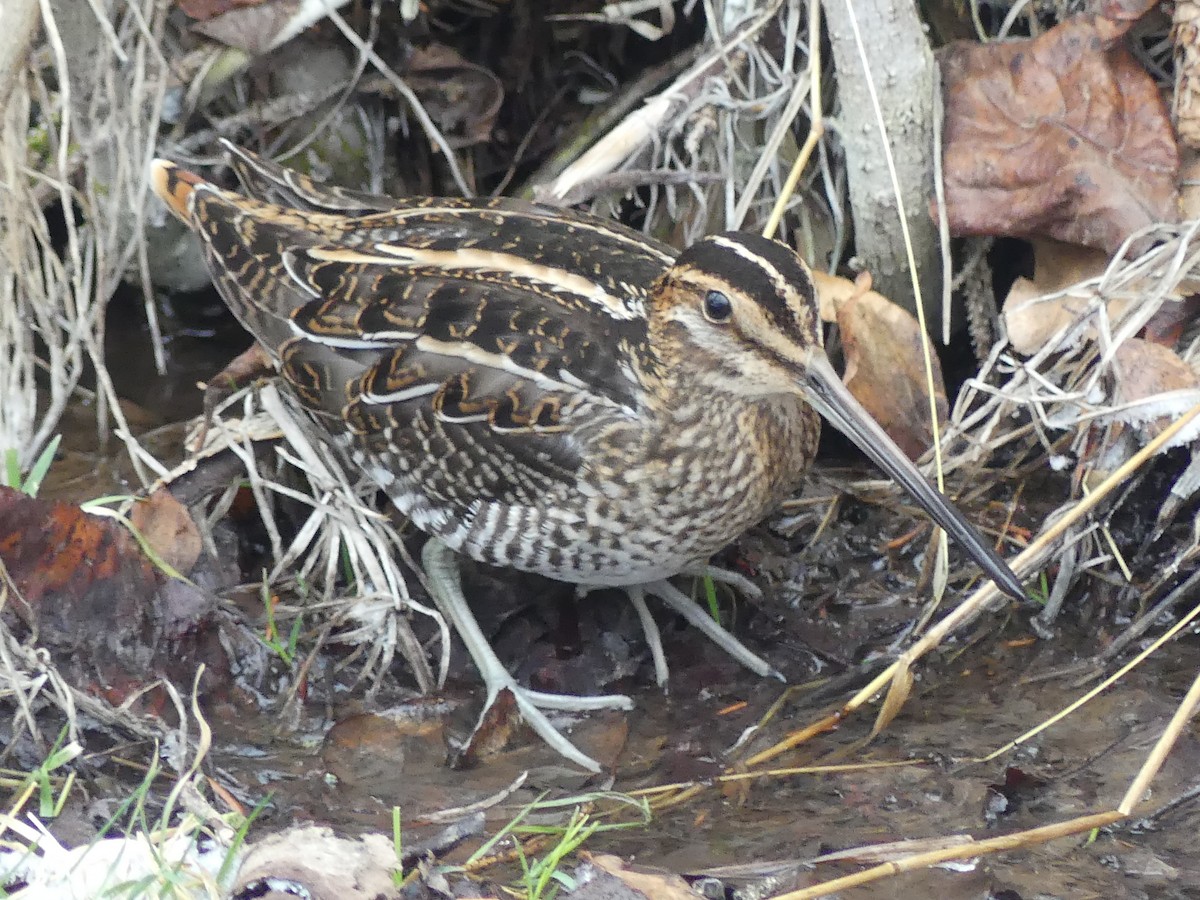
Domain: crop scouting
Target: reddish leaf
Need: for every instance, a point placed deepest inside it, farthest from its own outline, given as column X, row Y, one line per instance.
column 1166, row 326
column 1064, row 135
column 86, row 592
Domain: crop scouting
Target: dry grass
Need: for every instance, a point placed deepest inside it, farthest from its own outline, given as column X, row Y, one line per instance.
column 80, row 126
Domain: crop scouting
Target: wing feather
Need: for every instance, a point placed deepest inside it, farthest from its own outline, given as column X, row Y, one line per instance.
column 459, row 342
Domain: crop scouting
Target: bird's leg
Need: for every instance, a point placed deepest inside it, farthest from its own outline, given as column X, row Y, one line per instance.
column 698, row 618
column 446, row 585
column 637, row 596
column 735, row 580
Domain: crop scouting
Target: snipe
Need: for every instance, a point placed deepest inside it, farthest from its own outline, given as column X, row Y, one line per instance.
column 543, row 389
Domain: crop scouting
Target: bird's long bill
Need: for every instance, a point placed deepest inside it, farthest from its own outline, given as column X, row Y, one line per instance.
column 826, row 393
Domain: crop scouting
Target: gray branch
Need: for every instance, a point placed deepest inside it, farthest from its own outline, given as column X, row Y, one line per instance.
column 903, row 70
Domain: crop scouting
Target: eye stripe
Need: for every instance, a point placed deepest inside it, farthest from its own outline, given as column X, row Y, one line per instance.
column 766, row 271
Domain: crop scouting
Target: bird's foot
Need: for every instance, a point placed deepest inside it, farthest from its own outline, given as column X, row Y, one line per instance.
column 696, row 616
column 442, row 570
column 708, row 626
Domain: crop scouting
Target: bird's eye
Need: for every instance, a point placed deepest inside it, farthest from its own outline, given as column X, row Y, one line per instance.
column 717, row 307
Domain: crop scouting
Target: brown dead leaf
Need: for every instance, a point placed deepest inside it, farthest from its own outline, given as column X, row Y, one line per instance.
column 501, row 733
column 1166, row 326
column 112, row 621
column 832, row 292
column 898, row 693
column 1144, row 370
column 653, row 885
column 501, row 721
column 1033, row 318
column 885, row 368
column 168, row 528
column 1031, row 321
column 371, row 748
column 255, row 28
column 202, row 10
column 1064, row 135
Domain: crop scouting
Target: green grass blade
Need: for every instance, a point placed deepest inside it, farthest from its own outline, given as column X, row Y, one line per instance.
column 37, row 474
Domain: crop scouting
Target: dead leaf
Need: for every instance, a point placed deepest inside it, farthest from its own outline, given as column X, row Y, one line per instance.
column 1018, row 789
column 371, row 748
column 1031, row 321
column 832, row 292
column 653, row 885
column 1144, row 370
column 502, row 732
column 312, row 861
column 1064, row 135
column 885, row 368
column 898, row 693
column 495, row 730
column 249, row 28
column 1033, row 317
column 168, row 528
column 1166, row 326
column 265, row 25
column 112, row 620
column 202, row 10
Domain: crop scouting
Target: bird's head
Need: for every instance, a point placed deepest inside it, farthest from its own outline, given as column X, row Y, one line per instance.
column 745, row 307
column 740, row 313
